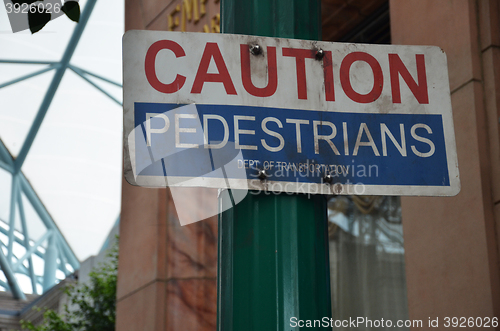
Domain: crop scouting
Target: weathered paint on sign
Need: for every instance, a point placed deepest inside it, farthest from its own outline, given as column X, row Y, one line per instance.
column 213, row 110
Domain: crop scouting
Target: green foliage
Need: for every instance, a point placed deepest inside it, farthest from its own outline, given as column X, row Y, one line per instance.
column 91, row 306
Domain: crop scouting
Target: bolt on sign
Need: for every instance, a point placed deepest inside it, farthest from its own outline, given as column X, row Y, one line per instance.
column 285, row 115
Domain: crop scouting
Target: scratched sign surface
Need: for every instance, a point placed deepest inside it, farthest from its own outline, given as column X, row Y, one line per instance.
column 284, row 115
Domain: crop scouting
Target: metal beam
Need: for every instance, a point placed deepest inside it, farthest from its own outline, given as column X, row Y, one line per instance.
column 33, row 74
column 17, row 240
column 4, row 284
column 42, row 212
column 12, row 215
column 5, row 154
column 56, row 80
column 50, row 266
column 63, row 259
column 11, row 278
column 6, row 167
column 57, row 247
column 47, row 220
column 26, row 241
column 96, row 76
column 27, row 62
column 31, row 249
column 81, row 74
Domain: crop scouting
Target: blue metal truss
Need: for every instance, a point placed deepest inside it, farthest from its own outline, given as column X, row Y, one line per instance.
column 51, row 246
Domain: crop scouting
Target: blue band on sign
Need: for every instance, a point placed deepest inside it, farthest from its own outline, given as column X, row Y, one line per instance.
column 295, row 145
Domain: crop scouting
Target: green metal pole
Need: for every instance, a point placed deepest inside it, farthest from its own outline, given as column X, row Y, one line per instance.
column 273, row 249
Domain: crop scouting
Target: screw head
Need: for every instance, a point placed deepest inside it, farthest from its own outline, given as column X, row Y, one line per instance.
column 262, row 174
column 337, row 188
column 319, row 54
column 328, row 178
column 255, row 49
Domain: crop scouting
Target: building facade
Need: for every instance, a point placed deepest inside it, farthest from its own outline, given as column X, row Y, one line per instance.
column 167, row 273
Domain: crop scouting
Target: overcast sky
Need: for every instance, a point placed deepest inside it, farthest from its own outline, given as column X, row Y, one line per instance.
column 75, row 162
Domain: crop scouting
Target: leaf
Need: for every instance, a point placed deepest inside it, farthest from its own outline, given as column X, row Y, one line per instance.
column 37, row 20
column 91, row 306
column 72, row 10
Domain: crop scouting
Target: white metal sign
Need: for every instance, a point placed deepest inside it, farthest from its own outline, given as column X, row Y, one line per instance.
column 284, row 115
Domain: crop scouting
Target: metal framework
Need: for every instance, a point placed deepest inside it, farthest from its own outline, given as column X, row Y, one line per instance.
column 18, row 250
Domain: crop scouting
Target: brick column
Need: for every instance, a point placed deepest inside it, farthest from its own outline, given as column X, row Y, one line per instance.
column 167, row 273
column 451, row 244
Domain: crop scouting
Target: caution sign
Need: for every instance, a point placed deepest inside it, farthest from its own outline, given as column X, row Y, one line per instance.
column 284, row 115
